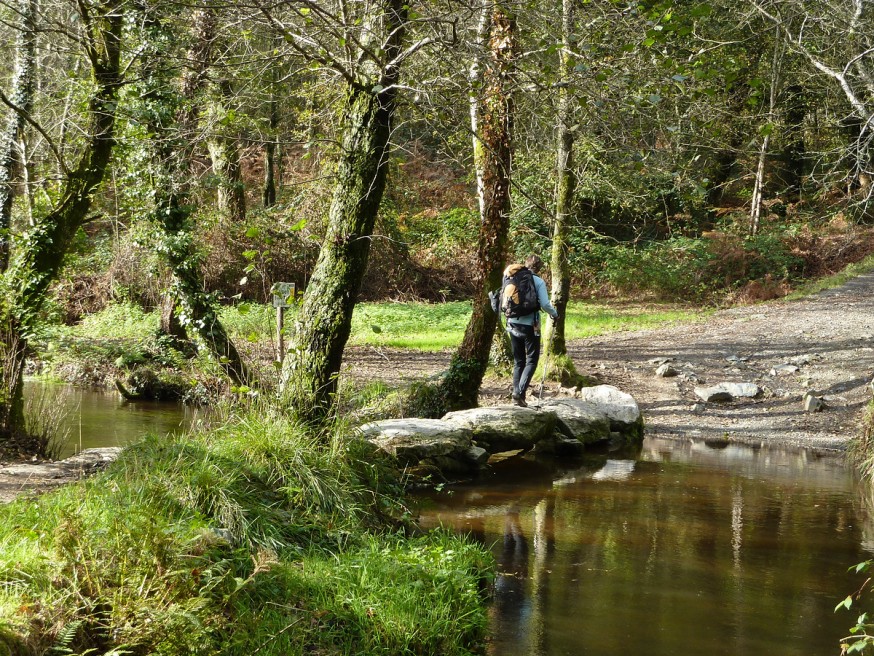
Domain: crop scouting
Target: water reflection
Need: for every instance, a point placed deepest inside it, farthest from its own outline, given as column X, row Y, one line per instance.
column 687, row 549
column 99, row 419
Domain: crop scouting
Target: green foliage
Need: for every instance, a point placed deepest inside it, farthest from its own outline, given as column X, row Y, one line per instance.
column 371, row 401
column 252, row 322
column 443, row 235
column 687, row 268
column 861, row 638
column 120, row 341
column 425, row 399
column 254, row 535
column 118, row 321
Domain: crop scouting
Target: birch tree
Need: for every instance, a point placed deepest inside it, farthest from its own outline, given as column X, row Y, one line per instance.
column 38, row 253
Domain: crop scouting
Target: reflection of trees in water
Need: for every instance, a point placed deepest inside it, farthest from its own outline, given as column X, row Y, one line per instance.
column 866, row 513
column 522, row 587
column 512, row 607
column 672, row 559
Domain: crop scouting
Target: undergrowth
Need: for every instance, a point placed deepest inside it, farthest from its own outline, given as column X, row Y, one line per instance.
column 252, row 536
column 836, row 280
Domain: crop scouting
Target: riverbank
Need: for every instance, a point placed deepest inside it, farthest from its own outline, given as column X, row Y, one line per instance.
column 251, row 537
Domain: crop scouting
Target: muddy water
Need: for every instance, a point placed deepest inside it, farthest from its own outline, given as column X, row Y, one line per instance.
column 685, row 549
column 99, row 419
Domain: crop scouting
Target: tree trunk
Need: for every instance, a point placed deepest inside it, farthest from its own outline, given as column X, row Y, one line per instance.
column 170, row 323
column 36, row 264
column 564, row 191
column 23, row 87
column 269, row 193
column 224, row 151
column 793, row 156
column 172, row 152
column 493, row 150
column 323, row 324
column 759, row 184
column 321, row 330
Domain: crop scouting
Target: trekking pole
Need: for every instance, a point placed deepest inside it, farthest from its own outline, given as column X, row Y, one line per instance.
column 548, row 353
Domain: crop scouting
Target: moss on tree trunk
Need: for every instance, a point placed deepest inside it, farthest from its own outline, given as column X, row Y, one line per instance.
column 493, row 152
column 323, row 324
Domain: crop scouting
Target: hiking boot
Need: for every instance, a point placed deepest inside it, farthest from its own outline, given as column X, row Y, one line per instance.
column 518, row 400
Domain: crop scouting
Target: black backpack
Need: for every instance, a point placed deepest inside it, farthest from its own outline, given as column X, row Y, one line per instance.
column 519, row 295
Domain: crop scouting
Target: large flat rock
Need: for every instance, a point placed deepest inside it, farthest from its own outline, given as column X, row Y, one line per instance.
column 504, row 428
column 578, row 419
column 414, row 440
column 599, row 412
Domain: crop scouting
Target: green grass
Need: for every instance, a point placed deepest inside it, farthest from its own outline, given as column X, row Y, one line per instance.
column 433, row 327
column 421, row 326
column 836, row 280
column 124, row 336
column 253, row 536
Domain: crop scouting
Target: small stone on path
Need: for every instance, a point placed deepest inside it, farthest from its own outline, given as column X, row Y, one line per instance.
column 727, row 392
column 666, row 371
column 812, row 403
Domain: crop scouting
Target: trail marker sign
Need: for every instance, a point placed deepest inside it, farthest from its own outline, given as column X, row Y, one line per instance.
column 284, row 294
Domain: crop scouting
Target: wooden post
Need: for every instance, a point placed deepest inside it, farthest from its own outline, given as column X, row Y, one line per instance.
column 280, row 333
column 284, row 294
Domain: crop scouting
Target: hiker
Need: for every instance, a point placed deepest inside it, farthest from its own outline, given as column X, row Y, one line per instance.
column 523, row 295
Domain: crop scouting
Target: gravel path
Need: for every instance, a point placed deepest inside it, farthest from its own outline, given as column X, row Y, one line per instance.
column 827, row 336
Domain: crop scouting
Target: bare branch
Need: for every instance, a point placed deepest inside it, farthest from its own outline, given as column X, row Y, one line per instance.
column 36, row 126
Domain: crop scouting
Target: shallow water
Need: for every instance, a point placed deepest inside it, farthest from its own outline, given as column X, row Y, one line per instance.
column 100, row 419
column 686, row 549
column 683, row 549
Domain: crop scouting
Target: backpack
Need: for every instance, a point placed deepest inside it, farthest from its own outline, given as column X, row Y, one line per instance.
column 519, row 295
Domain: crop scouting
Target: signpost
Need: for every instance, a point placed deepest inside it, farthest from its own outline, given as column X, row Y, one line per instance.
column 284, row 296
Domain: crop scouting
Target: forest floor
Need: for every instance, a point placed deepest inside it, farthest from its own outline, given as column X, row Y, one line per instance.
column 827, row 337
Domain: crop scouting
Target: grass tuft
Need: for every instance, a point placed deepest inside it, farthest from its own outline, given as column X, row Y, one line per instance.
column 254, row 536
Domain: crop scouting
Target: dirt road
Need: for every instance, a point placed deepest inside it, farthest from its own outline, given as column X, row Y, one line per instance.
column 823, row 344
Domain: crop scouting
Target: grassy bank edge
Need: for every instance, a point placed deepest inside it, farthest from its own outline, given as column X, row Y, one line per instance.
column 252, row 537
column 831, row 282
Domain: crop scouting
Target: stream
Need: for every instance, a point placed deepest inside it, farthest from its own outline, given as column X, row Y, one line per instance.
column 682, row 549
column 685, row 549
column 100, row 419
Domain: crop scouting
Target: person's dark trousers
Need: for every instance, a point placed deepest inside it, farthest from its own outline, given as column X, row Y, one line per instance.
column 526, row 353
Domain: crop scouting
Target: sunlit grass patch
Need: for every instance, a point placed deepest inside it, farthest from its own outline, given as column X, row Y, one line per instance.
column 390, row 594
column 218, row 543
column 421, row 326
column 590, row 319
column 433, row 327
